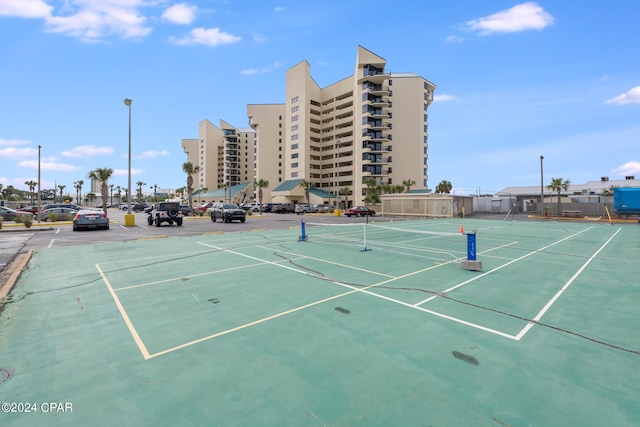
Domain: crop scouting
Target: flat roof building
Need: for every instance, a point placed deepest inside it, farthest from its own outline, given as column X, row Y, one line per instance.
column 368, row 129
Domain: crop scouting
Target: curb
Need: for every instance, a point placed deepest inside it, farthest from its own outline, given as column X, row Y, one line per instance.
column 14, row 269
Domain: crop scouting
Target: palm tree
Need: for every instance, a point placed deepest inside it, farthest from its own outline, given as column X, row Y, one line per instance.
column 102, row 175
column 78, row 187
column 558, row 184
column 111, row 193
column 190, row 169
column 307, row 185
column 61, row 187
column 140, row 184
column 344, row 191
column 261, row 183
column 373, row 189
column 119, row 193
column 32, row 186
column 408, row 183
column 444, row 187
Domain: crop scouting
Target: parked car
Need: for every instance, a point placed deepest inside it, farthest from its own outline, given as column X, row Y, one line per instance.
column 31, row 209
column 61, row 214
column 303, row 208
column 324, row 207
column 283, row 208
column 165, row 212
column 9, row 214
column 86, row 219
column 204, row 207
column 228, row 212
column 60, row 205
column 136, row 207
column 359, row 211
column 186, row 210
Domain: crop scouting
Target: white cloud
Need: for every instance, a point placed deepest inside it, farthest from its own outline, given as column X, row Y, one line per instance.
column 125, row 172
column 630, row 97
column 151, row 154
column 48, row 166
column 453, row 39
column 180, row 13
column 11, row 142
column 278, row 9
column 13, row 153
column 443, row 97
column 25, row 8
column 207, row 37
column 91, row 20
column 521, row 17
column 87, row 151
column 263, row 70
column 629, row 168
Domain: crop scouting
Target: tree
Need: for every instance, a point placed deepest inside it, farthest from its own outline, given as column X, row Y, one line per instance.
column 558, row 184
column 190, row 169
column 408, row 183
column 373, row 189
column 61, row 187
column 32, row 186
column 261, row 183
column 140, row 184
column 78, row 187
column 102, row 175
column 119, row 193
column 307, row 185
column 344, row 191
column 111, row 193
column 444, row 187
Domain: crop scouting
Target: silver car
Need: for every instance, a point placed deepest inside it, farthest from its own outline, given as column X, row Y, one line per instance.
column 90, row 220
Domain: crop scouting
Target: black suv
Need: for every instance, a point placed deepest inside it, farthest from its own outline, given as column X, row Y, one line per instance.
column 165, row 212
column 227, row 212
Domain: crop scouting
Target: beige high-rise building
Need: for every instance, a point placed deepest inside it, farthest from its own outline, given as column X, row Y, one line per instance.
column 223, row 155
column 369, row 127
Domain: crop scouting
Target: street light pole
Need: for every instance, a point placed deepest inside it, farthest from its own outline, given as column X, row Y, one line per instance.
column 39, row 187
column 128, row 102
column 338, row 174
column 541, row 187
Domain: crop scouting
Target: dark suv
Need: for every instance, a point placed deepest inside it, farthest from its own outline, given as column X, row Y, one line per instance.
column 165, row 212
column 227, row 212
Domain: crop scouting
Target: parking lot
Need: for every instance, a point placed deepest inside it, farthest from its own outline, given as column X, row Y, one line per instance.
column 16, row 239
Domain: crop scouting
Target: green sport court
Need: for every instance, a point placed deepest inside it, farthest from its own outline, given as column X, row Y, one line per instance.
column 356, row 326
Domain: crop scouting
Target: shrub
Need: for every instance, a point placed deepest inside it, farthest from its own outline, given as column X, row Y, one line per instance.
column 18, row 219
column 53, row 216
column 28, row 222
column 1, row 219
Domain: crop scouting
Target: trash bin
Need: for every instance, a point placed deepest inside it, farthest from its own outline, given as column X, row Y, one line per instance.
column 337, row 212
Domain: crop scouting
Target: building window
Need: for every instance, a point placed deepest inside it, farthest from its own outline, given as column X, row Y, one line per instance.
column 294, row 174
column 294, row 146
column 295, row 99
column 294, row 155
column 294, row 128
column 390, row 82
column 295, row 109
column 294, row 137
column 294, row 164
column 294, row 118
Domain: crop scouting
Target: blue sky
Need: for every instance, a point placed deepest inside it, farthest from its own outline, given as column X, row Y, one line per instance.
column 515, row 80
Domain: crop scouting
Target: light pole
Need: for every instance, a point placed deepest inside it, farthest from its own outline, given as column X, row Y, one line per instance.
column 541, row 187
column 338, row 174
column 39, row 188
column 129, row 218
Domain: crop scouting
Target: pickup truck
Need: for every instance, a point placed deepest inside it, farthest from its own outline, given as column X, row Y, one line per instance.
column 283, row 208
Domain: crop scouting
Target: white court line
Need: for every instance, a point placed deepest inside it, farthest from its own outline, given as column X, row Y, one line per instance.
column 535, row 320
column 502, row 266
column 125, row 316
column 364, row 290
